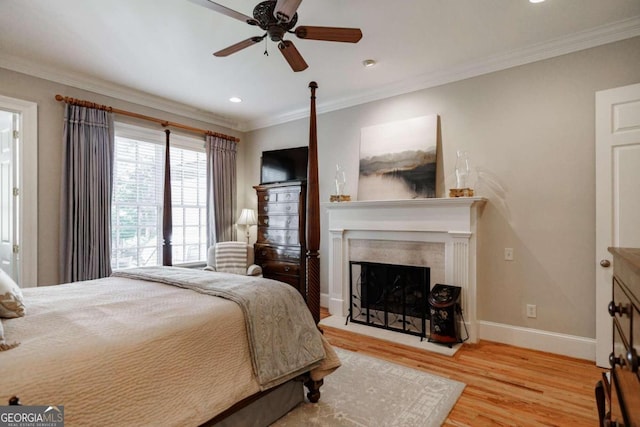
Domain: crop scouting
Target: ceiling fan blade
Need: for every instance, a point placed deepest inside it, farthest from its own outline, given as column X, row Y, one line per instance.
column 293, row 57
column 332, row 34
column 285, row 9
column 225, row 11
column 238, row 46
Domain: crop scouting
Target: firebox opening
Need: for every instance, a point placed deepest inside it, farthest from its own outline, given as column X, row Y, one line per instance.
column 390, row 296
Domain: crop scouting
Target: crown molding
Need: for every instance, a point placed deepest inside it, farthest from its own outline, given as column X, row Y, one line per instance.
column 598, row 36
column 102, row 87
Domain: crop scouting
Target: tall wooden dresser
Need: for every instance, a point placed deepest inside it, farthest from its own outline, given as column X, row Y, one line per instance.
column 618, row 394
column 280, row 248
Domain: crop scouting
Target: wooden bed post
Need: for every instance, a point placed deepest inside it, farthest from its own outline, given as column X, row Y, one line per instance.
column 313, row 215
column 167, row 222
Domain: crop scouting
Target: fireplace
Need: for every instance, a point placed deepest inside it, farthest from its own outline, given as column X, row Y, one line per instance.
column 389, row 296
column 440, row 233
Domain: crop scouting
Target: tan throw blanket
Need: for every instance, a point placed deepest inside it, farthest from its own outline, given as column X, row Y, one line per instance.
column 278, row 354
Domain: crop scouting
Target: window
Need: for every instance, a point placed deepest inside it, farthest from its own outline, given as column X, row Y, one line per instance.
column 136, row 216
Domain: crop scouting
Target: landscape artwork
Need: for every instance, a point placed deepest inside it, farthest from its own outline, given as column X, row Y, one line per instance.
column 398, row 159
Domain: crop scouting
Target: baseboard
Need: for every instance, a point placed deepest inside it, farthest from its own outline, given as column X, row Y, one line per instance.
column 324, row 300
column 536, row 339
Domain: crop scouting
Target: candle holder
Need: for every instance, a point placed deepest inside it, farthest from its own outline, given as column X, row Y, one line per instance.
column 340, row 181
column 463, row 170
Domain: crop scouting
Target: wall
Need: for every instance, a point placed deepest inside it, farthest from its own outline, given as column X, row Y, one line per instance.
column 529, row 131
column 50, row 117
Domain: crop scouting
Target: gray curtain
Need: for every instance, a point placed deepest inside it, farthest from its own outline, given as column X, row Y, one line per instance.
column 87, row 177
column 221, row 189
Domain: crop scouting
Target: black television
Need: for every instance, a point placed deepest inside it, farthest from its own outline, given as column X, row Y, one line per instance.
column 288, row 164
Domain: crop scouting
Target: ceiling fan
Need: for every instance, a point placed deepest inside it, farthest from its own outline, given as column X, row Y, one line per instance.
column 277, row 18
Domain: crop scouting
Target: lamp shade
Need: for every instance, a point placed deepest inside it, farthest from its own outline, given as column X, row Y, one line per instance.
column 247, row 217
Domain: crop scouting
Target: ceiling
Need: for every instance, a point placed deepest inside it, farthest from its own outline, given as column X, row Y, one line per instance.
column 159, row 52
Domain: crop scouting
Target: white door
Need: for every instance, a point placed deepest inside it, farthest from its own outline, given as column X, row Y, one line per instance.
column 617, row 195
column 8, row 238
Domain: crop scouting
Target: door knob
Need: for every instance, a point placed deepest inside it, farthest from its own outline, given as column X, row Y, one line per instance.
column 613, row 360
column 621, row 309
column 605, row 263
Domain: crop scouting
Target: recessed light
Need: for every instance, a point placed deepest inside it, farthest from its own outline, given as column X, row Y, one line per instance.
column 536, row 1
column 369, row 63
column 235, row 99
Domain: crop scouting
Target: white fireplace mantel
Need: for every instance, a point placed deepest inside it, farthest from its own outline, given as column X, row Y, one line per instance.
column 451, row 221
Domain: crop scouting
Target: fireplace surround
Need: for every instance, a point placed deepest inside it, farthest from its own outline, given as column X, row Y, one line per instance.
column 418, row 224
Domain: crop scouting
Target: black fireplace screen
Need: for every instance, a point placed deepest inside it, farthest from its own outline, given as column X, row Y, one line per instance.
column 389, row 296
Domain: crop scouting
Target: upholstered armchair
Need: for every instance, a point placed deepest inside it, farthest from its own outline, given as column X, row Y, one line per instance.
column 232, row 257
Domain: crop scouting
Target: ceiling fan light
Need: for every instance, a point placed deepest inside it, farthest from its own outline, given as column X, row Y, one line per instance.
column 285, row 9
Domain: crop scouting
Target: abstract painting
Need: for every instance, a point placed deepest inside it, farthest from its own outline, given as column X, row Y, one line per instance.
column 398, row 159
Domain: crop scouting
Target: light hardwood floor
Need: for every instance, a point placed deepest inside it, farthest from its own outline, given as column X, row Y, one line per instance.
column 505, row 385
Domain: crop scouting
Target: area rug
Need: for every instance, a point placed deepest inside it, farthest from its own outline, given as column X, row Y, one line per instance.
column 369, row 392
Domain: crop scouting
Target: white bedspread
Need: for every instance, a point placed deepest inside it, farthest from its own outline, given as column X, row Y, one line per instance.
column 278, row 353
column 184, row 359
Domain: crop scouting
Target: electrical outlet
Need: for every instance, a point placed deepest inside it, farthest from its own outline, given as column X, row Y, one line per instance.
column 508, row 254
column 531, row 311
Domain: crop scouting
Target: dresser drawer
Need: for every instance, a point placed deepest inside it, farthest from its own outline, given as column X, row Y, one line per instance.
column 620, row 344
column 278, row 208
column 287, row 268
column 288, row 196
column 622, row 310
column 264, row 196
column 279, row 221
column 627, row 312
column 278, row 237
column 279, row 195
column 265, row 253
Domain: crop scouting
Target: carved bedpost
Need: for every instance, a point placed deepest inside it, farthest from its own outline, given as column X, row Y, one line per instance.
column 313, row 388
column 167, row 223
column 313, row 215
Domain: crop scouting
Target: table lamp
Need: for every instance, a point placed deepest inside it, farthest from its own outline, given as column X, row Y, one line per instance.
column 247, row 219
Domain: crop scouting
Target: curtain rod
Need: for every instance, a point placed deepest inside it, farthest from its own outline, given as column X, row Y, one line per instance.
column 164, row 123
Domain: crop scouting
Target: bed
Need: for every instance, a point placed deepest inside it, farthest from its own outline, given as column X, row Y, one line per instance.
column 148, row 352
column 168, row 345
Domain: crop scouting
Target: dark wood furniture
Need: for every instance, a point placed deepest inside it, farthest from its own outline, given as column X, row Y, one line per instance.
column 286, row 250
column 280, row 248
column 313, row 214
column 618, row 394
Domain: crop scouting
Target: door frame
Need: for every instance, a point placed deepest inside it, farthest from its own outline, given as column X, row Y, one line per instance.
column 27, row 183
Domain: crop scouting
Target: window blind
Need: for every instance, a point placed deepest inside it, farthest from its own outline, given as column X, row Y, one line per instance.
column 137, row 200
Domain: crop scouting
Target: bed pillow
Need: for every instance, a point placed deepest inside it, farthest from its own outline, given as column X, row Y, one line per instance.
column 11, row 301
